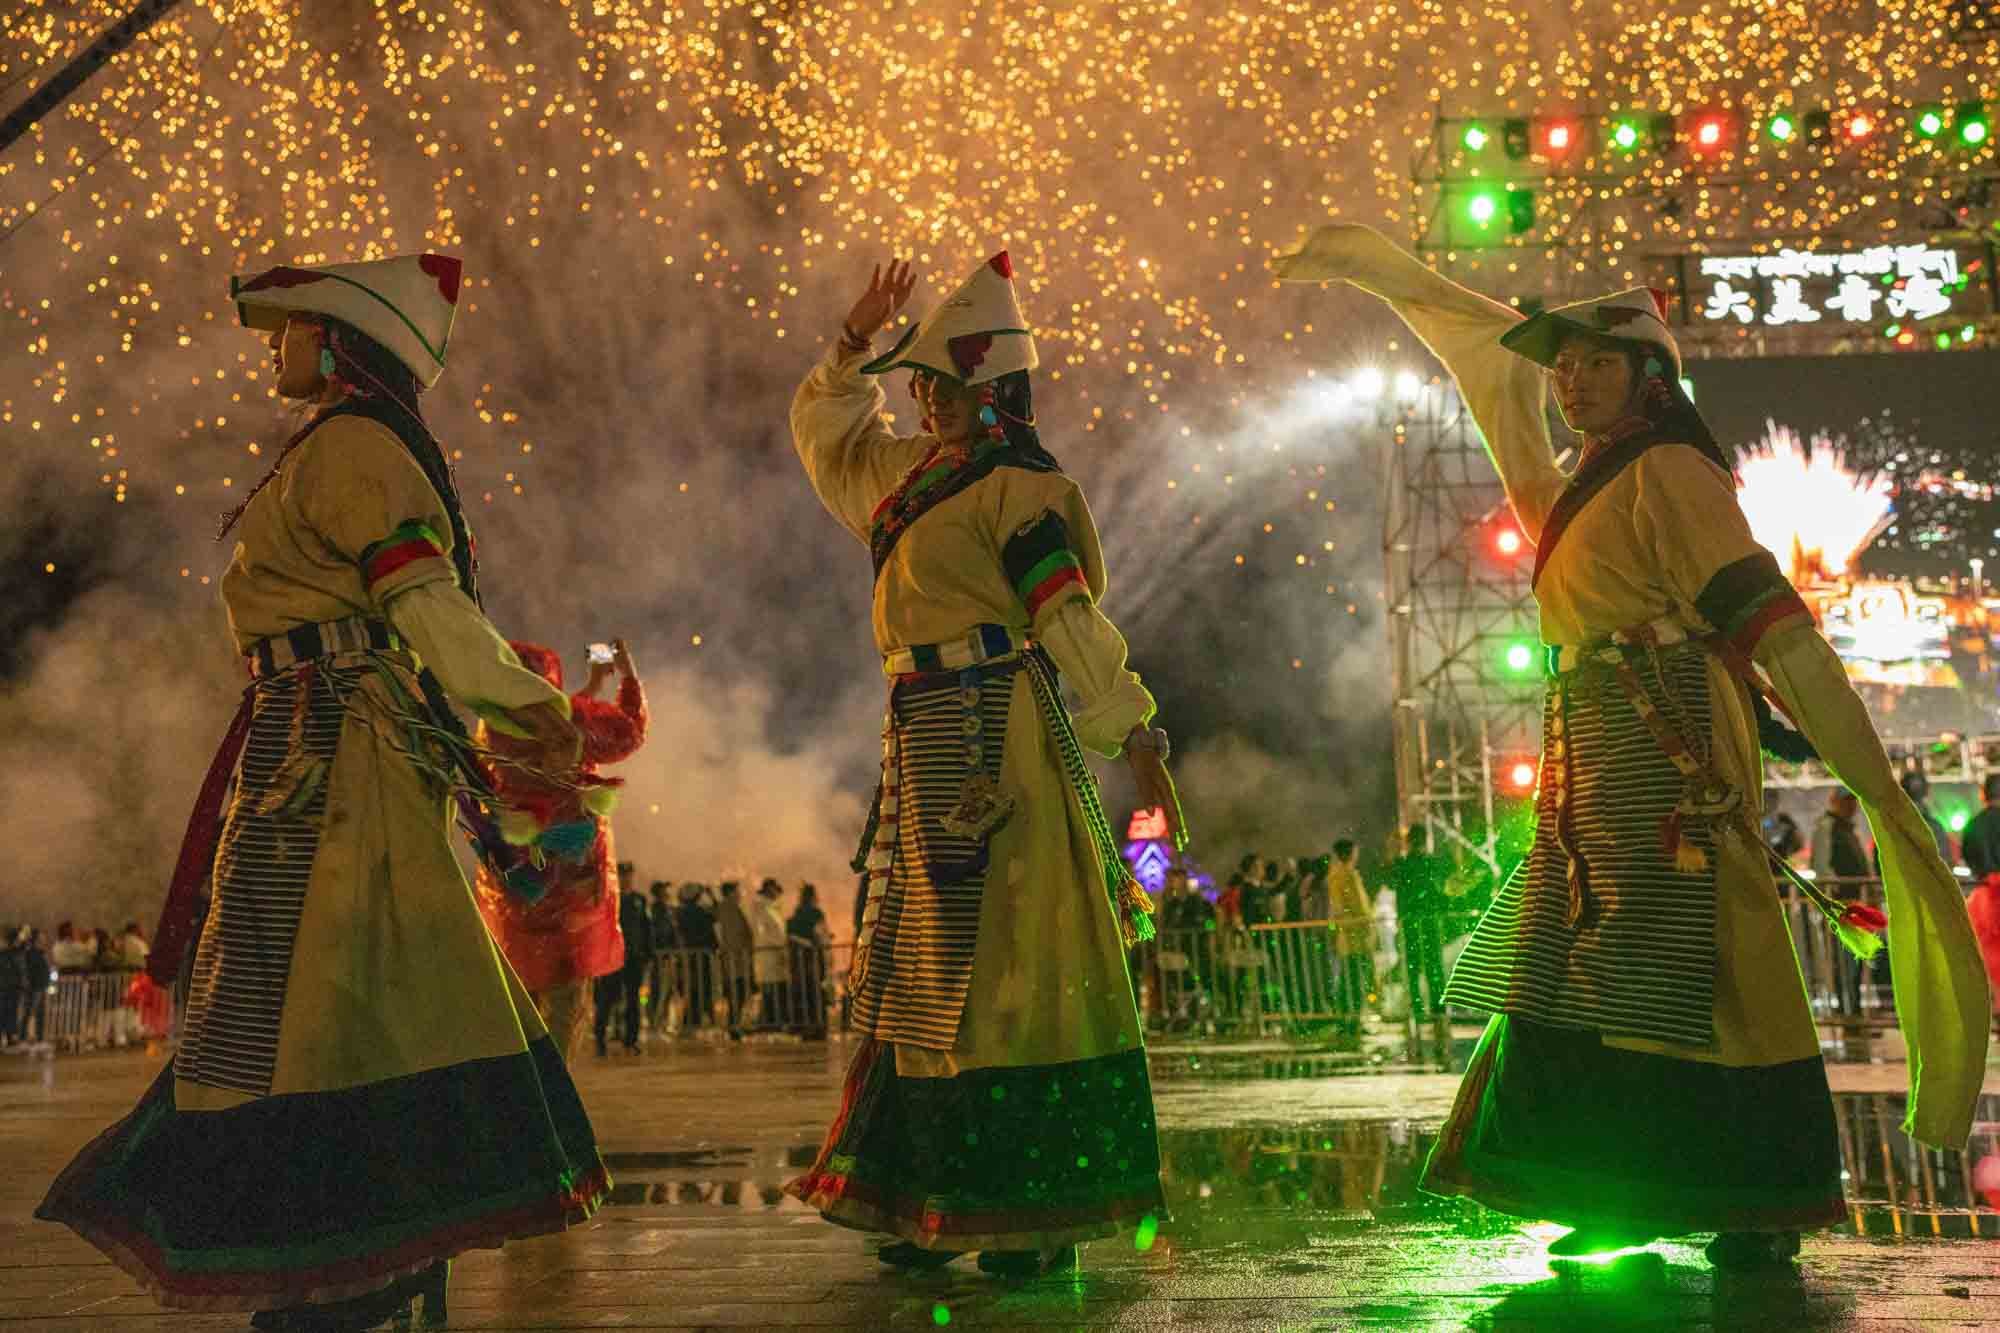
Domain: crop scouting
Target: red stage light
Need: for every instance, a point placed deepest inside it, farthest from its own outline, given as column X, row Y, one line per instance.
column 1860, row 125
column 1507, row 541
column 1711, row 131
column 1557, row 137
column 1521, row 775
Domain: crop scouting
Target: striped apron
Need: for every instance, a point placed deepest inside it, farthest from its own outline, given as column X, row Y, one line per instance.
column 1609, row 924
column 264, row 855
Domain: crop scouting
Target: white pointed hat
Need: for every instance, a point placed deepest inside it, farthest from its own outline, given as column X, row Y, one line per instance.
column 977, row 334
column 1638, row 315
column 407, row 303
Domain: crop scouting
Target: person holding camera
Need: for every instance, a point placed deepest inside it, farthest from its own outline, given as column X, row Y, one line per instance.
column 558, row 922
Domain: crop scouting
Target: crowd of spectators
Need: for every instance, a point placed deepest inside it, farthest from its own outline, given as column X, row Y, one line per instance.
column 689, row 946
column 1339, row 938
column 30, row 962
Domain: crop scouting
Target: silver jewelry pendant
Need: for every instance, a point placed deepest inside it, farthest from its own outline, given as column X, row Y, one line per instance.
column 981, row 810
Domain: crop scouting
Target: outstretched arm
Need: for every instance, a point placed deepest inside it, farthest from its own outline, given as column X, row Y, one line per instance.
column 851, row 456
column 1505, row 392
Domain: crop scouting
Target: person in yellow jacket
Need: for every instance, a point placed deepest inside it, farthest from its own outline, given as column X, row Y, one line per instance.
column 999, row 1101
column 362, row 1087
column 1652, row 1068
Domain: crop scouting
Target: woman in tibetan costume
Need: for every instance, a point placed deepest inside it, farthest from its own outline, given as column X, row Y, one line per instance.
column 1652, row 1068
column 362, row 1088
column 999, row 1101
column 554, row 909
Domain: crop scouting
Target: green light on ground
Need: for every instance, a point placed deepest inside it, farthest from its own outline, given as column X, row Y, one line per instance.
column 1148, row 1232
column 940, row 1315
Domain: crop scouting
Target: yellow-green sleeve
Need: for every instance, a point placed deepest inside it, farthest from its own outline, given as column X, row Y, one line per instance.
column 358, row 489
column 850, row 455
column 1686, row 518
column 1934, row 964
column 1506, row 393
column 466, row 653
column 1049, row 550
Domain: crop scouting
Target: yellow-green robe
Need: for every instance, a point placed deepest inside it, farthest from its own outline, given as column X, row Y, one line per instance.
column 1048, row 1004
column 362, row 1086
column 1561, row 1118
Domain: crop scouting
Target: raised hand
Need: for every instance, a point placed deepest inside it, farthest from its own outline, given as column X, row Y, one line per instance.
column 887, row 291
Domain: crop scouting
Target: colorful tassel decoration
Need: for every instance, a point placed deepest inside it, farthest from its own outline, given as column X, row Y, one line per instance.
column 600, row 799
column 1860, row 928
column 570, row 841
column 1688, row 859
column 525, row 883
column 519, row 827
column 1135, row 913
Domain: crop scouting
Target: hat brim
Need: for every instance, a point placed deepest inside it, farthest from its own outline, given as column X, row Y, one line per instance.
column 898, row 358
column 1540, row 336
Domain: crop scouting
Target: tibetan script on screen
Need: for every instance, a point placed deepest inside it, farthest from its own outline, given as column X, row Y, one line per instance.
column 1884, row 283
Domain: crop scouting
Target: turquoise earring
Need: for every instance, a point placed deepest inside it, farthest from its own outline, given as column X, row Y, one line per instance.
column 326, row 362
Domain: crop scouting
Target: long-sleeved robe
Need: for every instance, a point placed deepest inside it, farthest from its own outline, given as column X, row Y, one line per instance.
column 362, row 1085
column 1664, row 542
column 1012, row 976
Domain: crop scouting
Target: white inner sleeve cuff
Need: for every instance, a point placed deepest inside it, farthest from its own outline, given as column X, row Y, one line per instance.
column 1090, row 653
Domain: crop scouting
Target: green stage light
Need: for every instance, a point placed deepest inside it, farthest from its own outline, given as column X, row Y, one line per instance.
column 1476, row 138
column 1958, row 821
column 1972, row 126
column 1782, row 128
column 1625, row 134
column 1520, row 657
column 1482, row 208
column 1930, row 122
column 1943, row 341
column 1968, row 333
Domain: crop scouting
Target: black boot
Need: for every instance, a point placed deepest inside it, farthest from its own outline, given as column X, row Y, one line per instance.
column 902, row 1254
column 1742, row 1250
column 1028, row 1263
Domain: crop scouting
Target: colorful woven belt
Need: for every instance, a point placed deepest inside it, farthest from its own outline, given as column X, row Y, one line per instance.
column 1562, row 658
column 982, row 643
column 303, row 643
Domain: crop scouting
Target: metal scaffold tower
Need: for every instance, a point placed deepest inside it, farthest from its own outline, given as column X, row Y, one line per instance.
column 1810, row 230
column 1465, row 675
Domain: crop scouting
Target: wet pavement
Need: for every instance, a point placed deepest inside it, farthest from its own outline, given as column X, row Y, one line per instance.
column 1291, row 1175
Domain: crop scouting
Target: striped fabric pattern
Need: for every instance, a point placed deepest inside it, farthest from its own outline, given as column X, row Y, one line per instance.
column 413, row 540
column 269, row 840
column 926, row 915
column 1641, row 962
column 1040, row 562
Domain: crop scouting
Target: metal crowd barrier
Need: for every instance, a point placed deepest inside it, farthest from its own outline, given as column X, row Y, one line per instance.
column 798, row 987
column 83, row 1011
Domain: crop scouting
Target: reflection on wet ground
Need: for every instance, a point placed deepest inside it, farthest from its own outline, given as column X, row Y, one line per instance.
column 1343, row 1177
